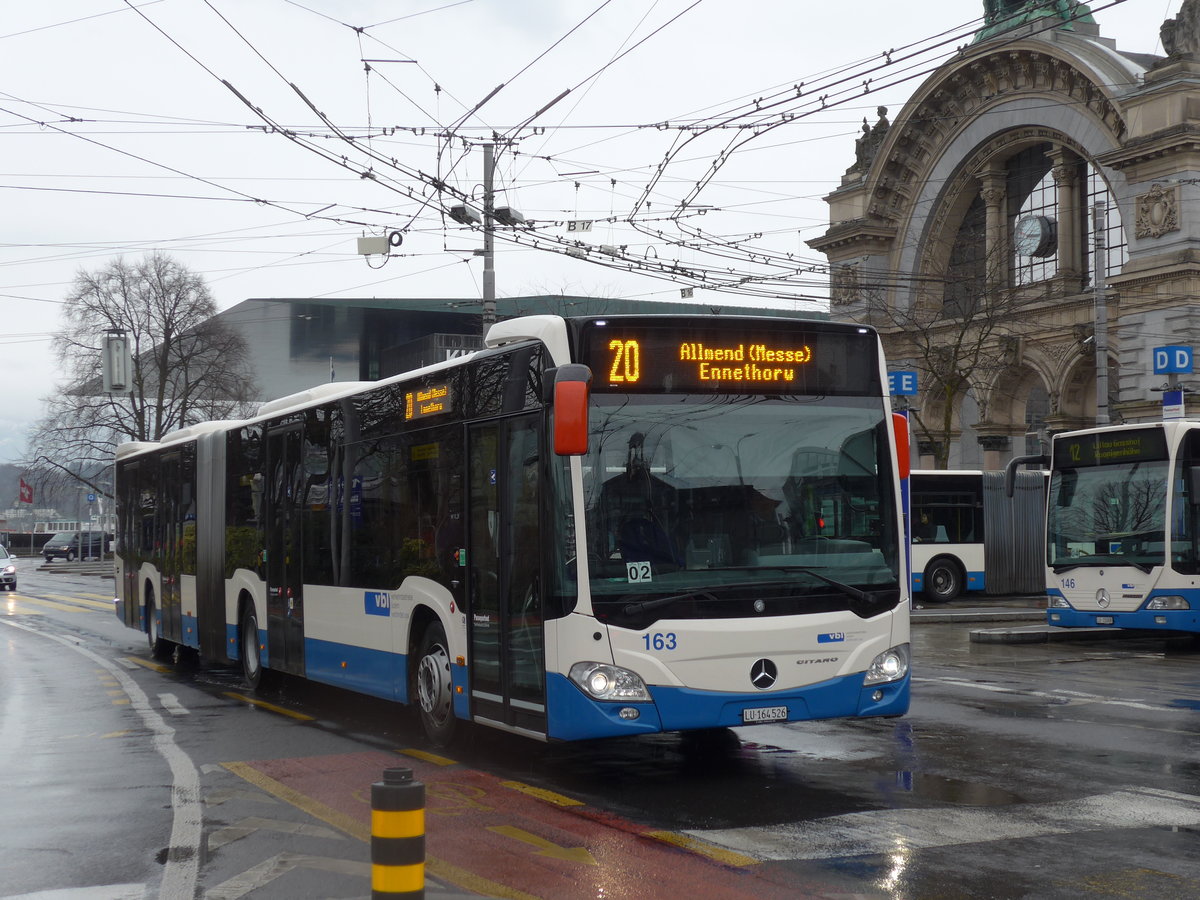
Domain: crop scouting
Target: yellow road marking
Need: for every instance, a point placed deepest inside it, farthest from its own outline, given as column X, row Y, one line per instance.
column 718, row 854
column 545, row 847
column 146, row 664
column 437, row 867
column 49, row 604
column 11, row 609
column 83, row 601
column 541, row 794
column 262, row 704
column 428, row 757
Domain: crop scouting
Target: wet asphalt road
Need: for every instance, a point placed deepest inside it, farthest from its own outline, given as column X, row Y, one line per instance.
column 1055, row 770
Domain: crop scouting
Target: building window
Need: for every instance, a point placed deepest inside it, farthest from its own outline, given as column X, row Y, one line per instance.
column 1037, row 407
column 1033, row 215
column 1116, row 247
column 967, row 268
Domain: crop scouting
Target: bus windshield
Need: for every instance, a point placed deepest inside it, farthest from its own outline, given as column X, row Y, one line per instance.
column 1108, row 515
column 725, row 506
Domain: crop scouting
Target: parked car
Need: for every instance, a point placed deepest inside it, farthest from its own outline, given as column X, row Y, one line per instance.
column 8, row 570
column 73, row 545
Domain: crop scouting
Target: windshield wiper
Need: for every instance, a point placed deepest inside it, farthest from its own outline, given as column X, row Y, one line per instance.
column 848, row 589
column 632, row 609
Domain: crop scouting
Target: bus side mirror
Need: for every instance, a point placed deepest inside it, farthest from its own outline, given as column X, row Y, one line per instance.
column 900, row 427
column 572, row 386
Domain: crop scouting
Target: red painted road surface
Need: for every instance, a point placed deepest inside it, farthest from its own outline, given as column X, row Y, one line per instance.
column 504, row 839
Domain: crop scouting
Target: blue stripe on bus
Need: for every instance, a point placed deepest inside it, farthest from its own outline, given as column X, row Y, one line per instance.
column 379, row 673
column 573, row 716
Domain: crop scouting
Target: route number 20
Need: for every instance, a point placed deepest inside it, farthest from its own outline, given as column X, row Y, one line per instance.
column 626, row 362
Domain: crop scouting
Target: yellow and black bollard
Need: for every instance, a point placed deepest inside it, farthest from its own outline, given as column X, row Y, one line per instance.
column 397, row 836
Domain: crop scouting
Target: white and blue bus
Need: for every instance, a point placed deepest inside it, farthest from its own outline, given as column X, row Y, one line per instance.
column 1123, row 527
column 969, row 534
column 592, row 527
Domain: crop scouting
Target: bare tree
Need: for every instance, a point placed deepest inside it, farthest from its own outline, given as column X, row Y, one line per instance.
column 961, row 330
column 187, row 366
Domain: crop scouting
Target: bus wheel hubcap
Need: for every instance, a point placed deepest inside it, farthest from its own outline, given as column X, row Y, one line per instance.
column 433, row 682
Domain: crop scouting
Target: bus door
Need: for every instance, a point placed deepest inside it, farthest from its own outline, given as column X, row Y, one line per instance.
column 170, row 568
column 130, row 484
column 507, row 640
column 285, row 594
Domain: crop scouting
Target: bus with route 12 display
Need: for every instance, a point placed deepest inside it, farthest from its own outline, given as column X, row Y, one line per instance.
column 1123, row 527
column 592, row 527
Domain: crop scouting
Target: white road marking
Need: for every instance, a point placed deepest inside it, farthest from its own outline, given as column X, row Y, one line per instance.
column 172, row 705
column 249, row 826
column 1052, row 695
column 182, row 867
column 99, row 892
column 890, row 830
column 266, row 872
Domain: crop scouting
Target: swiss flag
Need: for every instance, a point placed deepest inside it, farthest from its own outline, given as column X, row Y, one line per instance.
column 26, row 492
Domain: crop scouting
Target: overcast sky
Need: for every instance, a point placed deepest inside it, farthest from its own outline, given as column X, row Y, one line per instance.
column 125, row 131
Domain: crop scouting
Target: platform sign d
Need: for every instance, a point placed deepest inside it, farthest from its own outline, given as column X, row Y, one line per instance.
column 1172, row 360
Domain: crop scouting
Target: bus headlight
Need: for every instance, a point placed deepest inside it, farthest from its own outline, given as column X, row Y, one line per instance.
column 1171, row 602
column 890, row 665
column 601, row 681
column 1056, row 601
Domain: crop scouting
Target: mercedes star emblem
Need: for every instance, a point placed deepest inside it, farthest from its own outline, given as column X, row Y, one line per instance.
column 763, row 674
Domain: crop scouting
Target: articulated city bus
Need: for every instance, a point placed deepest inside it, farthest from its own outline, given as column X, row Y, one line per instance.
column 969, row 534
column 1123, row 527
column 592, row 527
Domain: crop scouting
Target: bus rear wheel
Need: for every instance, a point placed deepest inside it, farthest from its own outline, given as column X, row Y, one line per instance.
column 943, row 581
column 160, row 648
column 434, row 686
column 248, row 648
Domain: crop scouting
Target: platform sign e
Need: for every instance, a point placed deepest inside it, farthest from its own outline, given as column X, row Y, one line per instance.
column 902, row 383
column 1172, row 360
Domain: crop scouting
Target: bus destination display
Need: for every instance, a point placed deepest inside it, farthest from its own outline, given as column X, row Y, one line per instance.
column 430, row 401
column 1111, row 447
column 658, row 358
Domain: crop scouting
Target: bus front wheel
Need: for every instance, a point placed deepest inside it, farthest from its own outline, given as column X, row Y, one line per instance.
column 434, row 687
column 943, row 581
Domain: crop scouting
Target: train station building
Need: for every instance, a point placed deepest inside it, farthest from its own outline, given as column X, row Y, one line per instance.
column 1031, row 210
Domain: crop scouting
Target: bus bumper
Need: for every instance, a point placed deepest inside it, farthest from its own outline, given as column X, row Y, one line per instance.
column 574, row 716
column 1148, row 619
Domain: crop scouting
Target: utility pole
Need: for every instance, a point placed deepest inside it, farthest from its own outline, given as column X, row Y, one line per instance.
column 489, row 224
column 1099, row 226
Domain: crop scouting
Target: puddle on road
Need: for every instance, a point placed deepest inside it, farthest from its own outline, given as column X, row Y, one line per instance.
column 939, row 789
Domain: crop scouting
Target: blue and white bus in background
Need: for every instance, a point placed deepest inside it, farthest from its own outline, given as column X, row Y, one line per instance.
column 968, row 534
column 593, row 527
column 1123, row 527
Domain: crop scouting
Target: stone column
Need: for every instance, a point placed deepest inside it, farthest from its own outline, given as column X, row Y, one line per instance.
column 927, row 452
column 992, row 188
column 1070, row 239
column 995, row 447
